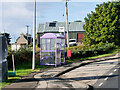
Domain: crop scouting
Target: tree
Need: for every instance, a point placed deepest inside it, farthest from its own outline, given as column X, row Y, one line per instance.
column 103, row 25
column 7, row 36
column 55, row 21
column 78, row 21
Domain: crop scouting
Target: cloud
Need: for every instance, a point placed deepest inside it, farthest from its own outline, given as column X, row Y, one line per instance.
column 20, row 30
column 15, row 34
column 15, row 15
column 0, row 17
column 16, row 10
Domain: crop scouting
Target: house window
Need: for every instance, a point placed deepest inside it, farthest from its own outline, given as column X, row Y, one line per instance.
column 52, row 24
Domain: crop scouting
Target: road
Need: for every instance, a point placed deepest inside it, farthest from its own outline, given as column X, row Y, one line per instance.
column 111, row 81
column 82, row 77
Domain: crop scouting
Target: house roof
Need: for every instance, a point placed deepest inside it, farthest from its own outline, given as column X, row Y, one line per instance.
column 52, row 35
column 29, row 38
column 73, row 26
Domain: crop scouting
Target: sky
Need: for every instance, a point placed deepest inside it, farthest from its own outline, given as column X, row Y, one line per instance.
column 16, row 14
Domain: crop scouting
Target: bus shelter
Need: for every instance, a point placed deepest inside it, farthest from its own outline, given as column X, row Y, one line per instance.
column 52, row 49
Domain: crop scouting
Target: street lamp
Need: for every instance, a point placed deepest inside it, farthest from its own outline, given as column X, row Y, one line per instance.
column 34, row 34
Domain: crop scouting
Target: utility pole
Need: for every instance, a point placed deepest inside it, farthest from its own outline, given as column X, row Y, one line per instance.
column 34, row 34
column 67, row 24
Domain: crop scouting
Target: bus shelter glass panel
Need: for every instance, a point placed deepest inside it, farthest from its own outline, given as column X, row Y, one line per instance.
column 52, row 44
column 58, row 50
column 43, row 41
column 58, row 44
column 62, row 44
column 48, row 44
column 48, row 58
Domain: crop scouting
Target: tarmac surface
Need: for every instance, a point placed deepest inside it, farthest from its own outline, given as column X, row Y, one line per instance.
column 80, row 74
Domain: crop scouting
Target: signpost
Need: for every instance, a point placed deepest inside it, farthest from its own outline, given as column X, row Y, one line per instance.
column 61, row 29
column 69, row 53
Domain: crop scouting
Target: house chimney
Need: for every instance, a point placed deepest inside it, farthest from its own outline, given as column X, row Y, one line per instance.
column 27, row 32
column 31, row 36
column 21, row 34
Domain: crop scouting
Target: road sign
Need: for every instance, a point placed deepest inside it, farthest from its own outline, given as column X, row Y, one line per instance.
column 69, row 53
column 61, row 29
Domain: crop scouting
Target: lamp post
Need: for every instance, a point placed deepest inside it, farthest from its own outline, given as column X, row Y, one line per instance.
column 34, row 34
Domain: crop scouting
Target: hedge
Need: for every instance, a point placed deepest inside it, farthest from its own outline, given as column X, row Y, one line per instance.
column 88, row 51
column 21, row 56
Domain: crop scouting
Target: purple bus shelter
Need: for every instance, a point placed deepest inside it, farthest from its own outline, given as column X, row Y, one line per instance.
column 52, row 49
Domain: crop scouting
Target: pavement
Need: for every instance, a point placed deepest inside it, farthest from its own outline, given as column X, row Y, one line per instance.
column 80, row 74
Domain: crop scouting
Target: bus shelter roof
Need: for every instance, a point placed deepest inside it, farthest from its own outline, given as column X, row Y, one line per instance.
column 52, row 36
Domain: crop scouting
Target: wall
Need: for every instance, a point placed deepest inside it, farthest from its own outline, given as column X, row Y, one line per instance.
column 15, row 47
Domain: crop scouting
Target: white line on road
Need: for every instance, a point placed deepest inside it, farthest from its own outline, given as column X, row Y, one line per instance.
column 110, row 73
column 100, row 84
column 106, row 78
column 118, row 67
column 115, row 70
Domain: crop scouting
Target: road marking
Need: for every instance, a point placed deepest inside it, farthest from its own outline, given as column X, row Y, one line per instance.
column 115, row 70
column 118, row 67
column 110, row 73
column 100, row 84
column 117, row 54
column 106, row 78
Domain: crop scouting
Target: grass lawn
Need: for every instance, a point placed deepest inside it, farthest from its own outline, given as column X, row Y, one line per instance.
column 26, row 68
